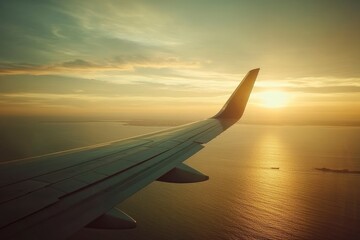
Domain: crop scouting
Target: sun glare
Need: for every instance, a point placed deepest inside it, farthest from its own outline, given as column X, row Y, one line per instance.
column 274, row 99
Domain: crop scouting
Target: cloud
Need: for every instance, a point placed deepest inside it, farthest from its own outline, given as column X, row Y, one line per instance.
column 50, row 84
column 119, row 63
column 78, row 63
column 51, row 33
column 324, row 89
column 320, row 85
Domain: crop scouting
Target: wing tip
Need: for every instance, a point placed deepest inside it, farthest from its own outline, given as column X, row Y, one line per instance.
column 253, row 71
column 235, row 106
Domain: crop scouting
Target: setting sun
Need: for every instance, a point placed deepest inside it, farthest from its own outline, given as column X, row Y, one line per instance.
column 274, row 99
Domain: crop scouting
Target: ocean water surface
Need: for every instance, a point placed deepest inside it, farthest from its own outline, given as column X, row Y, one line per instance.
column 247, row 197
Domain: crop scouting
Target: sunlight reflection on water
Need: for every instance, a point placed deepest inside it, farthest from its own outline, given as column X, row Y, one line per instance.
column 244, row 198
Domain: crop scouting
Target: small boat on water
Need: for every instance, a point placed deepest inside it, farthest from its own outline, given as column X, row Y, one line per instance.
column 276, row 168
column 337, row 170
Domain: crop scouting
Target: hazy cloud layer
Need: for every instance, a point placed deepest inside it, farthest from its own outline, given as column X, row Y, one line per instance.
column 79, row 66
column 142, row 50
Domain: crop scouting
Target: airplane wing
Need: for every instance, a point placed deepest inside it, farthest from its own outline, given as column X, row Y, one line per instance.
column 55, row 195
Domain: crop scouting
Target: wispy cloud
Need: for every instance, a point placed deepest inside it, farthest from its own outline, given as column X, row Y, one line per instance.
column 78, row 66
column 136, row 22
column 313, row 85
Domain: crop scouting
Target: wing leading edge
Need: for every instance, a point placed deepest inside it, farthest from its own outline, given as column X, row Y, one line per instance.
column 66, row 191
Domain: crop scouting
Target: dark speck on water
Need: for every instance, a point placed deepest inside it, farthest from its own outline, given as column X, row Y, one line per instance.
column 337, row 170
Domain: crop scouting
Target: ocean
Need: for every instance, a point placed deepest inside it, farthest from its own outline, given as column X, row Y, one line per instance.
column 263, row 182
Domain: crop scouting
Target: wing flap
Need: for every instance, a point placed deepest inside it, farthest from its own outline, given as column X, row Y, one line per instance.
column 26, row 169
column 28, row 204
column 69, row 185
column 90, row 177
column 19, row 189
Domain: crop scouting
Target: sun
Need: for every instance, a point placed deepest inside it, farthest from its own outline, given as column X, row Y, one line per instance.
column 274, row 99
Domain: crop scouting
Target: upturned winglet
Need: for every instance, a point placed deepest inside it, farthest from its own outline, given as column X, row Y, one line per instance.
column 235, row 105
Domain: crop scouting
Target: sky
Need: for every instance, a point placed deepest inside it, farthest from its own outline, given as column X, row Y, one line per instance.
column 120, row 60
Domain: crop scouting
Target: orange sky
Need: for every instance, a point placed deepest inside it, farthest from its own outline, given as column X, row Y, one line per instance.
column 180, row 60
